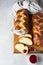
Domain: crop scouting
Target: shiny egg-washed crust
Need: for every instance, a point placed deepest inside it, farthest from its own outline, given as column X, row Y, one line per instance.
column 37, row 20
column 22, row 20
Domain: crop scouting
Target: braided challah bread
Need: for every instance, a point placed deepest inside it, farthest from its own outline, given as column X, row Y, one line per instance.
column 38, row 29
column 22, row 20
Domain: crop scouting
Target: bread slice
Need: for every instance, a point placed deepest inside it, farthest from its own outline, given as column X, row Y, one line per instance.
column 25, row 40
column 26, row 35
column 21, row 48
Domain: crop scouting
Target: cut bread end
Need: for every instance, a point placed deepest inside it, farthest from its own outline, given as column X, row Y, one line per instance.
column 21, row 48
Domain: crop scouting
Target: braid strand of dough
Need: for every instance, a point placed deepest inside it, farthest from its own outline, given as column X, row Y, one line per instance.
column 22, row 20
column 38, row 29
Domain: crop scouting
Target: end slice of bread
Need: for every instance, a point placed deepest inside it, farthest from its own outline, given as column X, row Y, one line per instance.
column 21, row 48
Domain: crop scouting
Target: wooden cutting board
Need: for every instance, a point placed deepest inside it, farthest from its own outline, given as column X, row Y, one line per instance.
column 16, row 41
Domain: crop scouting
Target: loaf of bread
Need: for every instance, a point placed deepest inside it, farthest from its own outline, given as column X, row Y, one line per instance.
column 22, row 20
column 37, row 20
